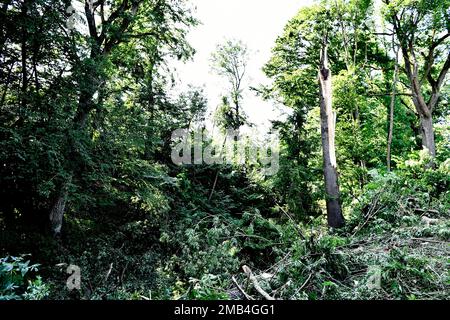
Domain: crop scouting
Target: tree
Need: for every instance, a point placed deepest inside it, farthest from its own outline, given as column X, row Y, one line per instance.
column 69, row 91
column 293, row 68
column 128, row 22
column 391, row 108
column 230, row 61
column 422, row 28
column 327, row 122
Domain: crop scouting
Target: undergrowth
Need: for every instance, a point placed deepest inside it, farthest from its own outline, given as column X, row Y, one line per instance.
column 395, row 244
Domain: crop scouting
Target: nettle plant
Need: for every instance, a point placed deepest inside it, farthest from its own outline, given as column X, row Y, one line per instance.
column 16, row 282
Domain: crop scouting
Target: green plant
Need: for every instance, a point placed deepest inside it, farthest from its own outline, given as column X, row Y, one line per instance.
column 16, row 283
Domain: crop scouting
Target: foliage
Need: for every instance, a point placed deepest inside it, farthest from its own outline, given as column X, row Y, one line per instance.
column 16, row 281
column 230, row 62
column 86, row 118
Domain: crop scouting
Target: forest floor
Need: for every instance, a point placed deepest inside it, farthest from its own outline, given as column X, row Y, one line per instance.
column 395, row 245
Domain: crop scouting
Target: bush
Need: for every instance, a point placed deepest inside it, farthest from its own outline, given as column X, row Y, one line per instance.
column 16, row 282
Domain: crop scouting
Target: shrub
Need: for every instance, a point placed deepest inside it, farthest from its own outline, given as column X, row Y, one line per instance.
column 16, row 282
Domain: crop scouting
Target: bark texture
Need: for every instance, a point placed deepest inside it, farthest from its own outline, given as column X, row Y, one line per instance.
column 327, row 121
column 57, row 211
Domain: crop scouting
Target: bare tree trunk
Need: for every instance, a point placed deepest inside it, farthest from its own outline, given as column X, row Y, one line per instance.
column 6, row 85
column 85, row 104
column 426, row 126
column 57, row 212
column 391, row 110
column 327, row 119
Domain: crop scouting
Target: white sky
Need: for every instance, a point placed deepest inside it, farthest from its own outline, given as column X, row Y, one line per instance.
column 257, row 23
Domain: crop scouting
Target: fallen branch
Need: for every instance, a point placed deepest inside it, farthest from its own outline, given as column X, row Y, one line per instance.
column 283, row 287
column 258, row 288
column 425, row 211
column 305, row 283
column 109, row 272
column 300, row 233
column 429, row 240
column 246, row 295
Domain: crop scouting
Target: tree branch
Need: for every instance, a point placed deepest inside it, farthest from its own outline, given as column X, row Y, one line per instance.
column 258, row 288
column 89, row 11
column 436, row 85
column 246, row 295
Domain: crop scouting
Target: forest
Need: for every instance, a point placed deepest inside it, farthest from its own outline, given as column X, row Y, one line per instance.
column 118, row 185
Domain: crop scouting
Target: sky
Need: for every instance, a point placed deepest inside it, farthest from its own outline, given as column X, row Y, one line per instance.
column 255, row 22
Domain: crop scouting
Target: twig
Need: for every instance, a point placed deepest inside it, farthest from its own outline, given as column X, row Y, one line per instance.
column 293, row 222
column 256, row 284
column 429, row 240
column 214, row 185
column 425, row 211
column 109, row 272
column 305, row 283
column 246, row 295
column 280, row 289
column 372, row 212
column 218, row 171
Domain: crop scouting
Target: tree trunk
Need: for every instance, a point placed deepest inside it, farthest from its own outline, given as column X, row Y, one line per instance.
column 391, row 111
column 85, row 104
column 24, row 37
column 3, row 31
column 390, row 133
column 327, row 119
column 426, row 126
column 57, row 212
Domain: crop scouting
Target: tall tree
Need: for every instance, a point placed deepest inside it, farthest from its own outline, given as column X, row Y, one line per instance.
column 230, row 61
column 327, row 123
column 354, row 53
column 391, row 108
column 423, row 30
column 139, row 26
column 66, row 92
